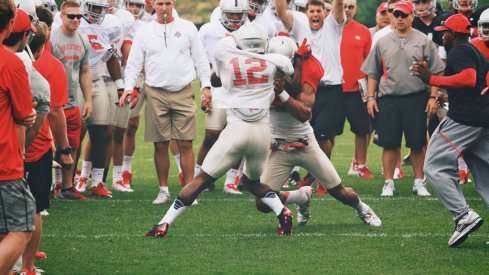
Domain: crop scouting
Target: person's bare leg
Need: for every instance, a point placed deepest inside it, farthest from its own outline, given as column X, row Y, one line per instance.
column 162, row 162
column 11, row 247
column 118, row 146
column 130, row 136
column 361, row 146
column 327, row 146
column 29, row 254
column 186, row 159
column 417, row 160
column 389, row 160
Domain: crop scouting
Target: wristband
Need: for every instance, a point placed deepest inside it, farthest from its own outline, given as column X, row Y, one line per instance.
column 432, row 97
column 119, row 83
column 283, row 96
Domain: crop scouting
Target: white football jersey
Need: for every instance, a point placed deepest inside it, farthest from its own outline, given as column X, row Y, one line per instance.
column 101, row 37
column 127, row 22
column 247, row 78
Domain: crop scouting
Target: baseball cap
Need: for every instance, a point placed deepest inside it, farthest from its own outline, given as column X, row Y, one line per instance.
column 22, row 22
column 382, row 7
column 405, row 7
column 456, row 23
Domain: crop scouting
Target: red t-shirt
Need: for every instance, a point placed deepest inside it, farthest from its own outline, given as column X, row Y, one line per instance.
column 355, row 47
column 481, row 45
column 312, row 72
column 53, row 71
column 15, row 102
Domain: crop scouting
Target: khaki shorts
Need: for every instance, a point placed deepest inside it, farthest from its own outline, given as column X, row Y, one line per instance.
column 17, row 207
column 135, row 112
column 216, row 119
column 312, row 158
column 119, row 116
column 100, row 103
column 250, row 140
column 170, row 115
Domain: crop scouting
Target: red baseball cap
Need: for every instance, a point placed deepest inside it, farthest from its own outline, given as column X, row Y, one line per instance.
column 456, row 23
column 22, row 22
column 404, row 6
column 382, row 7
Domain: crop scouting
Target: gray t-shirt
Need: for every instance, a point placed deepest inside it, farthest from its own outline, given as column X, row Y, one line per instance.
column 73, row 52
column 391, row 57
column 40, row 92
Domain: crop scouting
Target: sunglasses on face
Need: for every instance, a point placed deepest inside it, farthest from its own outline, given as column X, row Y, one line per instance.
column 73, row 16
column 349, row 7
column 398, row 14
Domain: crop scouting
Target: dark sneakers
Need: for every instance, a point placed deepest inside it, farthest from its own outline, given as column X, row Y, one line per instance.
column 285, row 221
column 466, row 225
column 158, row 230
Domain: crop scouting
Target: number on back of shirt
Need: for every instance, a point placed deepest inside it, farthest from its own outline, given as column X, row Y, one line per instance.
column 249, row 71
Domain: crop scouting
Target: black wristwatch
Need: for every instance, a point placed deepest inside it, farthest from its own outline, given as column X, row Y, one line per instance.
column 66, row 151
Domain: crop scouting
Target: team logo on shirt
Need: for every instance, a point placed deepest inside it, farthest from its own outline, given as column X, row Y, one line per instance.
column 357, row 37
column 178, row 34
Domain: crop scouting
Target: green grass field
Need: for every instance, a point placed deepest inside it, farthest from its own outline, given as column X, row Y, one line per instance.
column 224, row 234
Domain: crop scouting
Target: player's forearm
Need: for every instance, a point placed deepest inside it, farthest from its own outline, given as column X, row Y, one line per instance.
column 466, row 78
column 371, row 86
column 57, row 122
column 114, row 68
column 298, row 109
column 283, row 13
column 32, row 131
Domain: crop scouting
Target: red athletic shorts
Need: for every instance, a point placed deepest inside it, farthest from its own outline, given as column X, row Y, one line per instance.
column 73, row 126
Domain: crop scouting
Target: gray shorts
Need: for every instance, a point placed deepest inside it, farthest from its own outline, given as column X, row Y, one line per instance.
column 17, row 207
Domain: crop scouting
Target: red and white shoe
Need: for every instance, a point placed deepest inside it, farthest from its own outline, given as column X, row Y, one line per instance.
column 353, row 171
column 365, row 173
column 464, row 176
column 121, row 187
column 82, row 184
column 231, row 188
column 158, row 230
column 56, row 189
column 398, row 173
column 127, row 178
column 321, row 190
column 77, row 175
column 307, row 180
column 285, row 222
column 41, row 254
column 100, row 190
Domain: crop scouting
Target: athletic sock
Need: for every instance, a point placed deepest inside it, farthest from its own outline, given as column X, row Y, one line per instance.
column 361, row 206
column 272, row 201
column 175, row 210
column 86, row 168
column 164, row 189
column 389, row 182
column 58, row 175
column 97, row 176
column 295, row 196
column 231, row 176
column 177, row 161
column 127, row 163
column 116, row 173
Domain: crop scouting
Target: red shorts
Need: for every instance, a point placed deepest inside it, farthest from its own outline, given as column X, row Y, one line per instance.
column 73, row 126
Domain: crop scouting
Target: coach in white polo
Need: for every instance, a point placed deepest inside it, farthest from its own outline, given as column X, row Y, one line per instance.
column 171, row 52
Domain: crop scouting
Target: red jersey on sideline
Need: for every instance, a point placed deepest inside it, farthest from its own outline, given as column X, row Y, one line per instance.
column 481, row 46
column 15, row 102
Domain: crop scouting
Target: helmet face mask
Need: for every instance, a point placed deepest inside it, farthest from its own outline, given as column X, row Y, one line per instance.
column 113, row 6
column 424, row 8
column 94, row 10
column 300, row 5
column 136, row 7
column 255, row 8
column 234, row 13
column 50, row 5
column 283, row 45
column 465, row 5
column 483, row 26
column 252, row 37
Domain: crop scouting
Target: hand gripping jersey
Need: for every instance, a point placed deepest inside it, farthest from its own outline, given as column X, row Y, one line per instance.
column 247, row 78
column 282, row 123
column 101, row 37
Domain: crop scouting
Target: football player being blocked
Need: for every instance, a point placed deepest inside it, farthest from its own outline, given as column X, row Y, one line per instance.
column 294, row 141
column 247, row 75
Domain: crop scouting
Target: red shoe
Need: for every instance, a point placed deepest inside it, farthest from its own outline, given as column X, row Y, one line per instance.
column 321, row 190
column 100, row 190
column 182, row 180
column 82, row 184
column 306, row 181
column 285, row 221
column 41, row 254
column 56, row 190
column 71, row 194
column 365, row 173
column 158, row 230
column 464, row 176
column 127, row 178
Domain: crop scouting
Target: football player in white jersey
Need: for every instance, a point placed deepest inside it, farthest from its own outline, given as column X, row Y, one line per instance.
column 247, row 76
column 294, row 141
column 103, row 31
column 234, row 15
column 296, row 34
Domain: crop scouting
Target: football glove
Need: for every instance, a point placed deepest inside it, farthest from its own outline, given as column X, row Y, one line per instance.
column 134, row 97
column 304, row 49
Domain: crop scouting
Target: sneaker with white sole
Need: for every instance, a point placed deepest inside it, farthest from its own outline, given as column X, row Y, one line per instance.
column 353, row 171
column 466, row 225
column 303, row 213
column 163, row 197
column 369, row 217
column 120, row 186
column 231, row 188
column 388, row 190
column 419, row 188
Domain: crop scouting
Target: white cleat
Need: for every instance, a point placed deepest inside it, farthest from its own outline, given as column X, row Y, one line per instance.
column 163, row 197
column 369, row 217
column 303, row 213
column 231, row 188
column 420, row 189
column 388, row 190
column 120, row 187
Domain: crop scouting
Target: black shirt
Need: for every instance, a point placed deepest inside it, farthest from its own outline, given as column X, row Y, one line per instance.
column 427, row 29
column 467, row 105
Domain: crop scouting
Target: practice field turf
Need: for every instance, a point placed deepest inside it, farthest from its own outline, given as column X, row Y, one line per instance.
column 224, row 234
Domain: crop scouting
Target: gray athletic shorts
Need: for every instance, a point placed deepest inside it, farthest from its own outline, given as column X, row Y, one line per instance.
column 17, row 207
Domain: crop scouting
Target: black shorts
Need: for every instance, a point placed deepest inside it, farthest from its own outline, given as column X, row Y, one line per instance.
column 39, row 177
column 328, row 112
column 398, row 115
column 356, row 113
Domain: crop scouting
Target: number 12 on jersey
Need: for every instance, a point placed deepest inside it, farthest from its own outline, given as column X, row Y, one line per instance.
column 253, row 67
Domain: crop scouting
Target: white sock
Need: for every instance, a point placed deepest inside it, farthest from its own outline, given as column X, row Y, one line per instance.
column 418, row 181
column 175, row 210
column 296, row 196
column 197, row 170
column 58, row 175
column 97, row 176
column 461, row 164
column 116, row 173
column 272, row 200
column 164, row 189
column 361, row 207
column 296, row 169
column 127, row 163
column 86, row 167
column 177, row 160
column 361, row 166
column 231, row 176
column 391, row 182
column 241, row 169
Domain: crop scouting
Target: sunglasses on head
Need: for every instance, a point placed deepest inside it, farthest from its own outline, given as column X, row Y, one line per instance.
column 349, row 7
column 398, row 14
column 73, row 16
